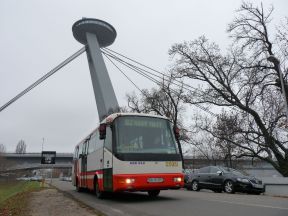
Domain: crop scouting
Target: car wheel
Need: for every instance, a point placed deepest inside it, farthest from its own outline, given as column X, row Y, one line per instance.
column 153, row 193
column 195, row 186
column 99, row 194
column 229, row 187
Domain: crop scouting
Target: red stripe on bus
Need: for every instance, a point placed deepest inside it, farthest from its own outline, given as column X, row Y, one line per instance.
column 89, row 183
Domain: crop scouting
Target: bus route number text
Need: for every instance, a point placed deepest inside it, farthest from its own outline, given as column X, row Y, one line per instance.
column 171, row 164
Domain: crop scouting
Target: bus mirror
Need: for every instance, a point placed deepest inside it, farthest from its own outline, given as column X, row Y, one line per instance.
column 80, row 155
column 176, row 132
column 102, row 131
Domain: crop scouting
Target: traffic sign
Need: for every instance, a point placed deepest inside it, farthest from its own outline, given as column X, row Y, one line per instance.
column 48, row 157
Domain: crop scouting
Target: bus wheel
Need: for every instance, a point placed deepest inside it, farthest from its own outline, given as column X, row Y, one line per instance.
column 153, row 193
column 99, row 194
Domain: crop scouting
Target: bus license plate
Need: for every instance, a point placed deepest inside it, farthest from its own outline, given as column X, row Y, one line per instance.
column 155, row 180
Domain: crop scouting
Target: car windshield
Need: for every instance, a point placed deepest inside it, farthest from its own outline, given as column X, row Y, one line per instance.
column 136, row 134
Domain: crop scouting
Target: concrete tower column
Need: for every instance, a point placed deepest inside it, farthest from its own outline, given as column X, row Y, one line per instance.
column 95, row 34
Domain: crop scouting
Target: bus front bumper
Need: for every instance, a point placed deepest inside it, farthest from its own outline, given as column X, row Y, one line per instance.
column 144, row 182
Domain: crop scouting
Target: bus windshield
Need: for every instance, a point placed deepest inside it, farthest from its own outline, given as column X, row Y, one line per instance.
column 136, row 134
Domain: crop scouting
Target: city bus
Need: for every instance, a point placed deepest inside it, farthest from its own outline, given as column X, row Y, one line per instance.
column 129, row 152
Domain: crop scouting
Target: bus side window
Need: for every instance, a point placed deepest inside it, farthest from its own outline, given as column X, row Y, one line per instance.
column 85, row 147
column 98, row 142
column 108, row 139
column 76, row 152
column 92, row 144
column 80, row 150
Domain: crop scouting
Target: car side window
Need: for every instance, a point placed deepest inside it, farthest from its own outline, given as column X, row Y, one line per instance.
column 214, row 170
column 204, row 170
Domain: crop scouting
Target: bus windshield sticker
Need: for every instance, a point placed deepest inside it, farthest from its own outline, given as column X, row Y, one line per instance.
column 143, row 123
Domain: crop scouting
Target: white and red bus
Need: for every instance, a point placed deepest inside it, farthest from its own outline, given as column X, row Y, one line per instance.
column 129, row 152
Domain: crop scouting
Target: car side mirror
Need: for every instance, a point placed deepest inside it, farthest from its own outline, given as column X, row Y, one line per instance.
column 219, row 173
column 102, row 131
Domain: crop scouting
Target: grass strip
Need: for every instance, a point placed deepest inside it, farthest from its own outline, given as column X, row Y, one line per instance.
column 14, row 197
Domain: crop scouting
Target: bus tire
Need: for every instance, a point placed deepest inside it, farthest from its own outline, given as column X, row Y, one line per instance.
column 153, row 193
column 99, row 194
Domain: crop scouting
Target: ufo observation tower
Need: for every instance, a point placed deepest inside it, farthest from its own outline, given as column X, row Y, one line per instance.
column 95, row 34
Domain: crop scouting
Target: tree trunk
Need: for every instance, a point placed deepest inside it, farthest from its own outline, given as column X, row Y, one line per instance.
column 283, row 168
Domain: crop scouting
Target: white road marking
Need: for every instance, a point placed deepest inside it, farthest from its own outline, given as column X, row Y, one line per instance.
column 247, row 204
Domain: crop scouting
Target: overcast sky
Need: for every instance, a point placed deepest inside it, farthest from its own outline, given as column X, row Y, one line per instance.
column 35, row 36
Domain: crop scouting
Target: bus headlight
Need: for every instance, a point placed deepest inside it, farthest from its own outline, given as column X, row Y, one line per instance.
column 177, row 179
column 129, row 181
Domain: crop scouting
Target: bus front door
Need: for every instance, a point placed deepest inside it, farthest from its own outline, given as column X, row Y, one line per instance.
column 84, row 165
column 108, row 162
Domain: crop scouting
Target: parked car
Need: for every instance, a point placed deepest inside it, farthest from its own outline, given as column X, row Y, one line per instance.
column 36, row 178
column 65, row 178
column 225, row 179
column 187, row 173
column 23, row 178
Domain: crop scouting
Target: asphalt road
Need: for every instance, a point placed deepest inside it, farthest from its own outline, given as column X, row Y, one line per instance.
column 181, row 203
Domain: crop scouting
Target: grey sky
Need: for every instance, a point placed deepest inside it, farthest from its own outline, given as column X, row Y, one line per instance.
column 35, row 36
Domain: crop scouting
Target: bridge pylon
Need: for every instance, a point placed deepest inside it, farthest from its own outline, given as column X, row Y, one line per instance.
column 95, row 34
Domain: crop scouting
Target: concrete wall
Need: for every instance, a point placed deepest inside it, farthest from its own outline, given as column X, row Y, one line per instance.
column 276, row 186
column 276, row 190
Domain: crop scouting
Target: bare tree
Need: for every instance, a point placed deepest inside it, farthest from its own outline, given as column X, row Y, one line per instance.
column 225, row 127
column 165, row 100
column 282, row 38
column 204, row 148
column 209, row 147
column 21, row 147
column 243, row 81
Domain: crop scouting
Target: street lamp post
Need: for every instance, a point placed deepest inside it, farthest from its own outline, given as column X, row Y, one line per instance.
column 276, row 61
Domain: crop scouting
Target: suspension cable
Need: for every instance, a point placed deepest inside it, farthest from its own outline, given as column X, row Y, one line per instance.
column 123, row 72
column 144, row 73
column 50, row 73
column 175, row 81
column 163, row 74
